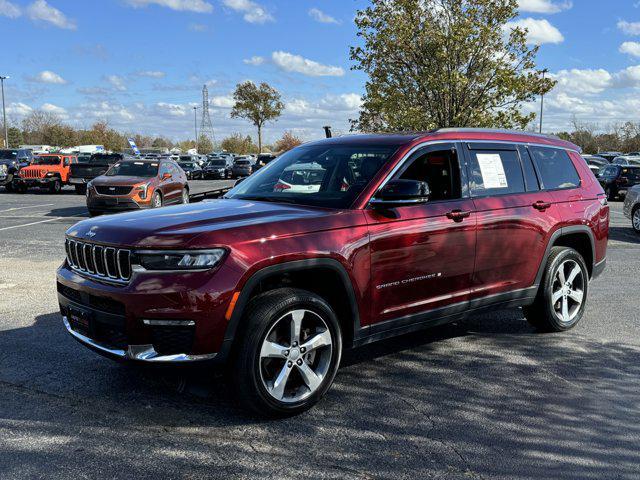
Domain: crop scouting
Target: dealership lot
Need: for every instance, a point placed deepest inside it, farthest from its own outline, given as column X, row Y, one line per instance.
column 486, row 397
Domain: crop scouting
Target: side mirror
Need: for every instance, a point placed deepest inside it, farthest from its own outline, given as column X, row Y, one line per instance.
column 398, row 193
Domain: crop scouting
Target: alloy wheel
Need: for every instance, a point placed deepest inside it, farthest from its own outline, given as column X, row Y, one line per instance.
column 295, row 356
column 636, row 219
column 185, row 196
column 567, row 291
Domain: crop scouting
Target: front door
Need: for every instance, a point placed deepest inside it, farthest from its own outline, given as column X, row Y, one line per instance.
column 422, row 256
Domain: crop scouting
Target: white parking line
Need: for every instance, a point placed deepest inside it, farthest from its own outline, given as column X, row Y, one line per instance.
column 30, row 206
column 41, row 221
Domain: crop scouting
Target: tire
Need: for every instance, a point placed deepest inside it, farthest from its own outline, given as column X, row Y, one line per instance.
column 549, row 316
column 268, row 322
column 635, row 219
column 21, row 188
column 156, row 200
column 55, row 186
column 185, row 196
column 81, row 189
column 610, row 195
column 9, row 185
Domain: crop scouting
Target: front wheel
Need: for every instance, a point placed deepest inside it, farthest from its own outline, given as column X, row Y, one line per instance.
column 156, row 200
column 55, row 186
column 185, row 196
column 562, row 296
column 635, row 219
column 81, row 189
column 288, row 352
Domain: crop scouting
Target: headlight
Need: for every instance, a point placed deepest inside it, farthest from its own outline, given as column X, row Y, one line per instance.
column 183, row 260
column 50, row 174
column 3, row 168
column 143, row 190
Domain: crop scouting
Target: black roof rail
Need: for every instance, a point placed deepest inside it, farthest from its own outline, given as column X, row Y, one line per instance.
column 492, row 130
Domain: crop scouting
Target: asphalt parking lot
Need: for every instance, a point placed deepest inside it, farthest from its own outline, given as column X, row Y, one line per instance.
column 483, row 398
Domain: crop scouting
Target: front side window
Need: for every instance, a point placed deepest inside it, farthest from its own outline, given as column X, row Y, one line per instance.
column 440, row 170
column 133, row 169
column 555, row 167
column 495, row 172
column 322, row 175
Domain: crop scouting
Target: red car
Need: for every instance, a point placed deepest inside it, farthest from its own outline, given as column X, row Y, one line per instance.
column 403, row 232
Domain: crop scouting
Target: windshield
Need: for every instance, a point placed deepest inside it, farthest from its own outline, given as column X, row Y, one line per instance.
column 242, row 162
column 187, row 165
column 104, row 159
column 217, row 163
column 321, row 175
column 46, row 160
column 8, row 154
column 133, row 169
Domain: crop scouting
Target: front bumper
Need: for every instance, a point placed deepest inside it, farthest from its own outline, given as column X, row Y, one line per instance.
column 215, row 173
column 114, row 204
column 142, row 353
column 34, row 182
column 156, row 317
column 79, row 180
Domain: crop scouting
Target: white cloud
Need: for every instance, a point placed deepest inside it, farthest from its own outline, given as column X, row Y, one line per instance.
column 175, row 110
column 8, row 9
column 629, row 28
column 116, row 82
column 151, row 74
column 539, row 30
column 197, row 6
column 47, row 76
column 19, row 109
column 253, row 12
column 342, row 102
column 583, row 82
column 255, row 60
column 319, row 16
column 543, row 6
column 630, row 48
column 41, row 11
column 629, row 77
column 222, row 101
column 296, row 63
column 55, row 109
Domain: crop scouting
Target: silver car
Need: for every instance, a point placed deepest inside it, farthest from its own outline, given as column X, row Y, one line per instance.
column 631, row 207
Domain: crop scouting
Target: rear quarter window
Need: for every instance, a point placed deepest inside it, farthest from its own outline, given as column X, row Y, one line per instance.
column 555, row 168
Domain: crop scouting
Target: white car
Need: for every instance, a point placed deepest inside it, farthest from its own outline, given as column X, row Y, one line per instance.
column 301, row 178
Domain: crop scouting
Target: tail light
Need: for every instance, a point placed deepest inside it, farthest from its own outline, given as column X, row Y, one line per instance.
column 279, row 187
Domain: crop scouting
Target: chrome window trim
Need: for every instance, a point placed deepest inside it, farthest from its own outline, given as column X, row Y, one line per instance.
column 427, row 143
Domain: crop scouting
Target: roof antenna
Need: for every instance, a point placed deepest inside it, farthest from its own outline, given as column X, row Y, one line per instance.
column 327, row 131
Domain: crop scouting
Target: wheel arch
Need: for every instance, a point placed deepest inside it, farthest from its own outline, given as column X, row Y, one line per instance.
column 578, row 237
column 326, row 277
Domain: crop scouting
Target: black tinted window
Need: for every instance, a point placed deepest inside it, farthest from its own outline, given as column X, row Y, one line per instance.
column 495, row 172
column 555, row 167
column 440, row 170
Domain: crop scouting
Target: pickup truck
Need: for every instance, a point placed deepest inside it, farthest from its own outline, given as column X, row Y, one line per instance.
column 46, row 171
column 11, row 161
column 83, row 172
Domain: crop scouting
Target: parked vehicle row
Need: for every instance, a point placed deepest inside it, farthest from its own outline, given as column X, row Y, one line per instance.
column 377, row 236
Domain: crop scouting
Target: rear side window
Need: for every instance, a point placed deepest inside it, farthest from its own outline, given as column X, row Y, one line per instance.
column 495, row 172
column 555, row 167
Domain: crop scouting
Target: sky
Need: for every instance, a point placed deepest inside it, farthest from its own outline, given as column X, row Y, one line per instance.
column 141, row 64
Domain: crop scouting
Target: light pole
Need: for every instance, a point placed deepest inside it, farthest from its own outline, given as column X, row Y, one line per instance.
column 542, row 100
column 4, row 113
column 195, row 123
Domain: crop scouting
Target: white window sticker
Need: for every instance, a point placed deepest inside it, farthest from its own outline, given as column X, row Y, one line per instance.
column 492, row 170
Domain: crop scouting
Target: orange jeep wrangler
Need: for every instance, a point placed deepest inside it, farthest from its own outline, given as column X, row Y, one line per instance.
column 46, row 171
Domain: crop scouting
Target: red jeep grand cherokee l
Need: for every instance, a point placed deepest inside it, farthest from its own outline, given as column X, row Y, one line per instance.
column 382, row 235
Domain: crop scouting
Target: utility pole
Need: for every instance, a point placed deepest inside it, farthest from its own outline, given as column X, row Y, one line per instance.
column 206, row 127
column 4, row 113
column 195, row 123
column 542, row 100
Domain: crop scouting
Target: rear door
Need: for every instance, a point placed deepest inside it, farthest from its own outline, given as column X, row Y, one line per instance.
column 421, row 255
column 514, row 218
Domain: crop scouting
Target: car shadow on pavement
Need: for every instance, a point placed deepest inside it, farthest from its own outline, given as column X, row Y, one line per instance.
column 484, row 397
column 624, row 234
column 77, row 211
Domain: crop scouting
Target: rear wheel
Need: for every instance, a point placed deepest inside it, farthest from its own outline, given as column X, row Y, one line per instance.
column 635, row 219
column 81, row 189
column 288, row 354
column 156, row 200
column 185, row 196
column 55, row 186
column 562, row 296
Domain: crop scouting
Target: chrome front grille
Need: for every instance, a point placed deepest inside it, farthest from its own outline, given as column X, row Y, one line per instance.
column 109, row 263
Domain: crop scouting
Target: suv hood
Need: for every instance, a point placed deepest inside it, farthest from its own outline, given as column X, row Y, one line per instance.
column 205, row 224
column 120, row 180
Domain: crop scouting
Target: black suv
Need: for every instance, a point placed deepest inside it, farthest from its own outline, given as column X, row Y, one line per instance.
column 617, row 179
column 11, row 161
